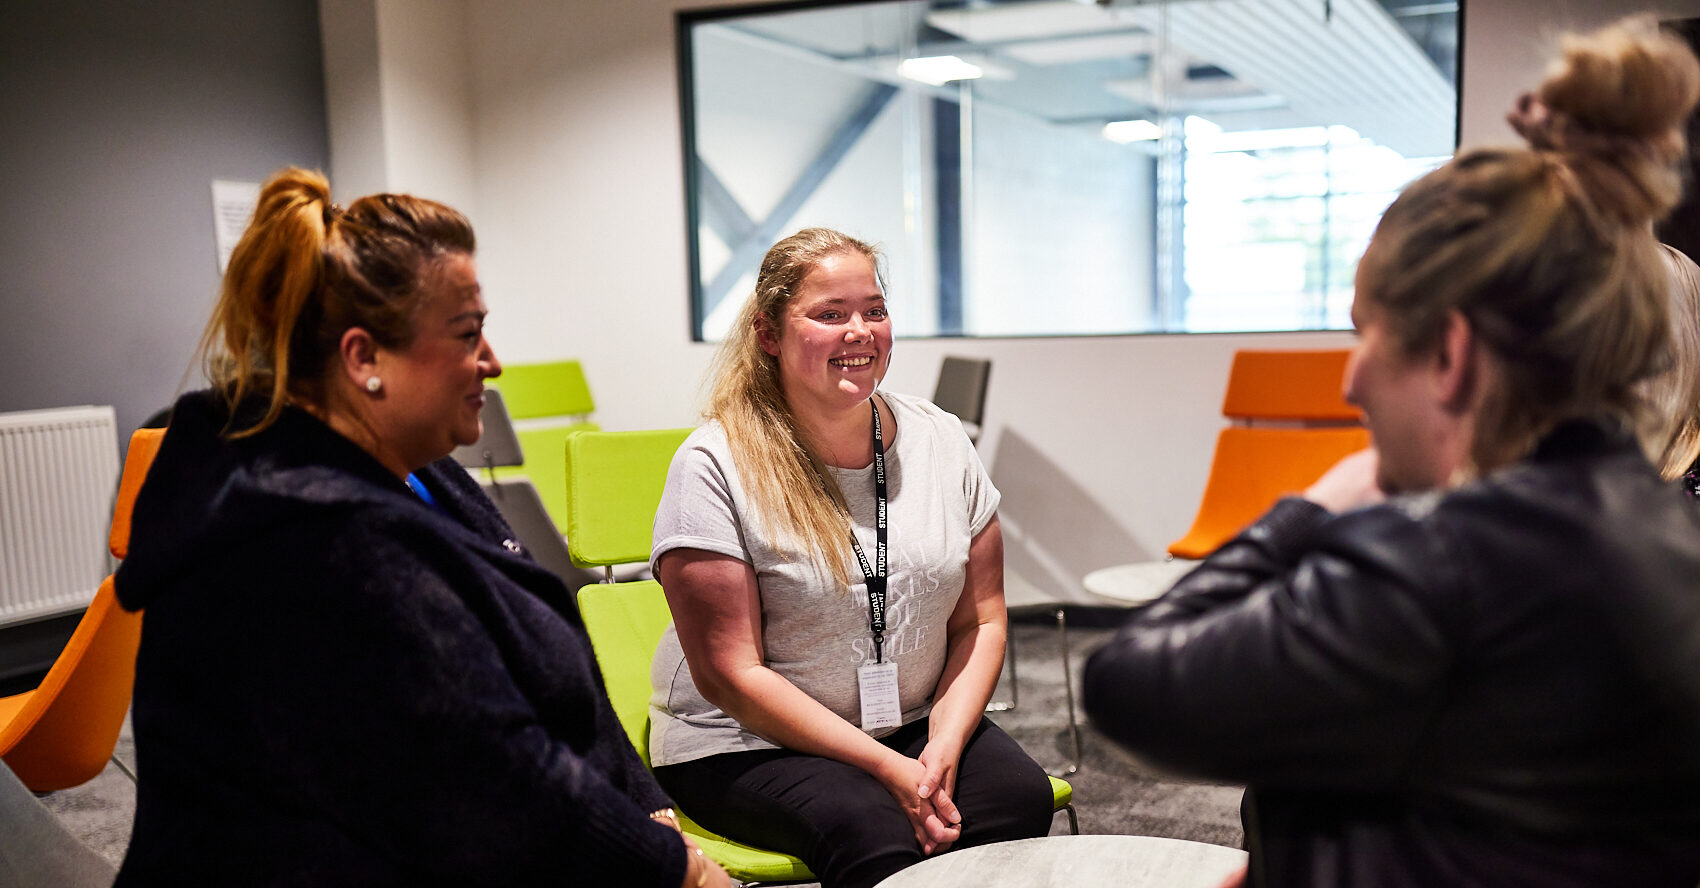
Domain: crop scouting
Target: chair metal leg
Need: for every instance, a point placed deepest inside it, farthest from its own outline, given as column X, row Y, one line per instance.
column 1068, row 694
column 123, row 767
column 1073, row 824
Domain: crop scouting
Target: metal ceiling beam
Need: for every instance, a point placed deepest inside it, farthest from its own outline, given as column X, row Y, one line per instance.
column 747, row 251
column 721, row 212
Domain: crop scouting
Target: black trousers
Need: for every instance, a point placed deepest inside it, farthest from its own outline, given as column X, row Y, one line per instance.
column 841, row 821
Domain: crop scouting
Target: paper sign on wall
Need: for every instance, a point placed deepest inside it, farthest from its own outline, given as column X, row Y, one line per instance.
column 233, row 209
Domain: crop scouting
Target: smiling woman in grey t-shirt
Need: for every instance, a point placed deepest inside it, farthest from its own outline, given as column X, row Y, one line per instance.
column 795, row 706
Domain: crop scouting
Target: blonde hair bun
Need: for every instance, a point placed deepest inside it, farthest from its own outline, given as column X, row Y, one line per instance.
column 1617, row 99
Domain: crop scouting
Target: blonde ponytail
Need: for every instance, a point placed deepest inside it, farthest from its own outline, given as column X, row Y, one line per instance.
column 304, row 272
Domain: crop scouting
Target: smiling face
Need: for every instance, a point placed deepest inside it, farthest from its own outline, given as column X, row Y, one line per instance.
column 433, row 388
column 833, row 341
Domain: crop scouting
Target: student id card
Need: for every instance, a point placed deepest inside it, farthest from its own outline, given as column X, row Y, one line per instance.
column 880, row 706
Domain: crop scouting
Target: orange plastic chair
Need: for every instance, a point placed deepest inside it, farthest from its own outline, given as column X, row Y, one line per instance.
column 1255, row 465
column 1302, row 386
column 62, row 733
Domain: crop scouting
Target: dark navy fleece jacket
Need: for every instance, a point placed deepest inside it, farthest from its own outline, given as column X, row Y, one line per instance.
column 339, row 684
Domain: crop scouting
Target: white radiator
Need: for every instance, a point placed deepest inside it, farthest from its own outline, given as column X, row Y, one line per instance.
column 58, row 476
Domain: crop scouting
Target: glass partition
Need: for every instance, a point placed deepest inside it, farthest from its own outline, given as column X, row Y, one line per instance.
column 1052, row 167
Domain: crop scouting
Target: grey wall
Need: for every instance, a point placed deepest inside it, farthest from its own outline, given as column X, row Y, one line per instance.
column 115, row 116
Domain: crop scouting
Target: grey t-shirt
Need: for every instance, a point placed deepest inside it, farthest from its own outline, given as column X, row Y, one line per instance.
column 814, row 632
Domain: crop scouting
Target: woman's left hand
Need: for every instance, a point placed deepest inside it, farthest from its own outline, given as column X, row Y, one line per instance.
column 902, row 777
column 939, row 784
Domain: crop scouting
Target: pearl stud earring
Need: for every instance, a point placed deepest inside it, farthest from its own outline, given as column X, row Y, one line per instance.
column 373, row 383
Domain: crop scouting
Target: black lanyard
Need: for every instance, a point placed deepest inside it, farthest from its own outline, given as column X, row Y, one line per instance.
column 876, row 578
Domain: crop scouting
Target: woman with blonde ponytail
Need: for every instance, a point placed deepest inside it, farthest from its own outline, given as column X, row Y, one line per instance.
column 832, row 557
column 1468, row 655
column 352, row 673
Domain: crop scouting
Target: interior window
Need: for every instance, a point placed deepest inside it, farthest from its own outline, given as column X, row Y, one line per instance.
column 1053, row 167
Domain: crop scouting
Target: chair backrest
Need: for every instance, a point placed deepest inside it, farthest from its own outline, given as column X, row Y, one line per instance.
column 144, row 446
column 546, row 465
column 555, row 388
column 65, row 730
column 961, row 390
column 1252, row 468
column 614, row 484
column 503, row 445
column 497, row 446
column 1288, row 385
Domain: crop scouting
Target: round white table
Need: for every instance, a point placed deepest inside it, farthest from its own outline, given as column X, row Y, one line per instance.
column 1075, row 861
column 1136, row 584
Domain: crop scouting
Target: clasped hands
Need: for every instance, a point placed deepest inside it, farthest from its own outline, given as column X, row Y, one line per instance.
column 923, row 789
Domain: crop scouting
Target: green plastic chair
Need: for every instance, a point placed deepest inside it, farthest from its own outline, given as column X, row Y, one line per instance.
column 555, row 388
column 616, row 479
column 625, row 622
column 614, row 484
column 549, row 403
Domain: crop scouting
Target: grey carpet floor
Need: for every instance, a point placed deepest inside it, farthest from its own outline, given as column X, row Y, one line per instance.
column 1112, row 793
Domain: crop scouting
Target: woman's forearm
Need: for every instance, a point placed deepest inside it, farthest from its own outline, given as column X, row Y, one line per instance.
column 975, row 637
column 973, row 661
column 770, row 706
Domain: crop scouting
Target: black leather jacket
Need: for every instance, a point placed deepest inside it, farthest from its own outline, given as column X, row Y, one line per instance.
column 1498, row 685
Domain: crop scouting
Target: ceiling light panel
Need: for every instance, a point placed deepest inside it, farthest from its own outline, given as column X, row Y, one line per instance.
column 1071, row 50
column 938, row 70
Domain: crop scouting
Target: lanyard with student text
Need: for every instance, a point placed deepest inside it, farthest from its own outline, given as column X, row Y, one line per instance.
column 876, row 576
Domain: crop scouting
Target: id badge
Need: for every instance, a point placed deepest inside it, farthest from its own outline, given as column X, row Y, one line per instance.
column 880, row 706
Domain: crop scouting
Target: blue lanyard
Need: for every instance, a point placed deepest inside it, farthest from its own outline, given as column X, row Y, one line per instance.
column 418, row 486
column 876, row 577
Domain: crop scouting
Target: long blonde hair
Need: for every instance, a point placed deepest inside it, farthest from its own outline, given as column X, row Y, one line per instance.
column 788, row 483
column 1548, row 251
column 1671, row 432
column 304, row 272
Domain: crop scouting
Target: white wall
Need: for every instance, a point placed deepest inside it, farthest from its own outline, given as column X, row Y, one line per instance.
column 1099, row 444
column 348, row 31
column 398, row 83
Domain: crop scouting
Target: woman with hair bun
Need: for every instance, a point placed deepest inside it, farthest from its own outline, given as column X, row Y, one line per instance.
column 352, row 674
column 1468, row 656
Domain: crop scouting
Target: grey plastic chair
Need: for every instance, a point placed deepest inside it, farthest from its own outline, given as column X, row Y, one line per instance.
column 961, row 390
column 37, row 851
column 516, row 496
